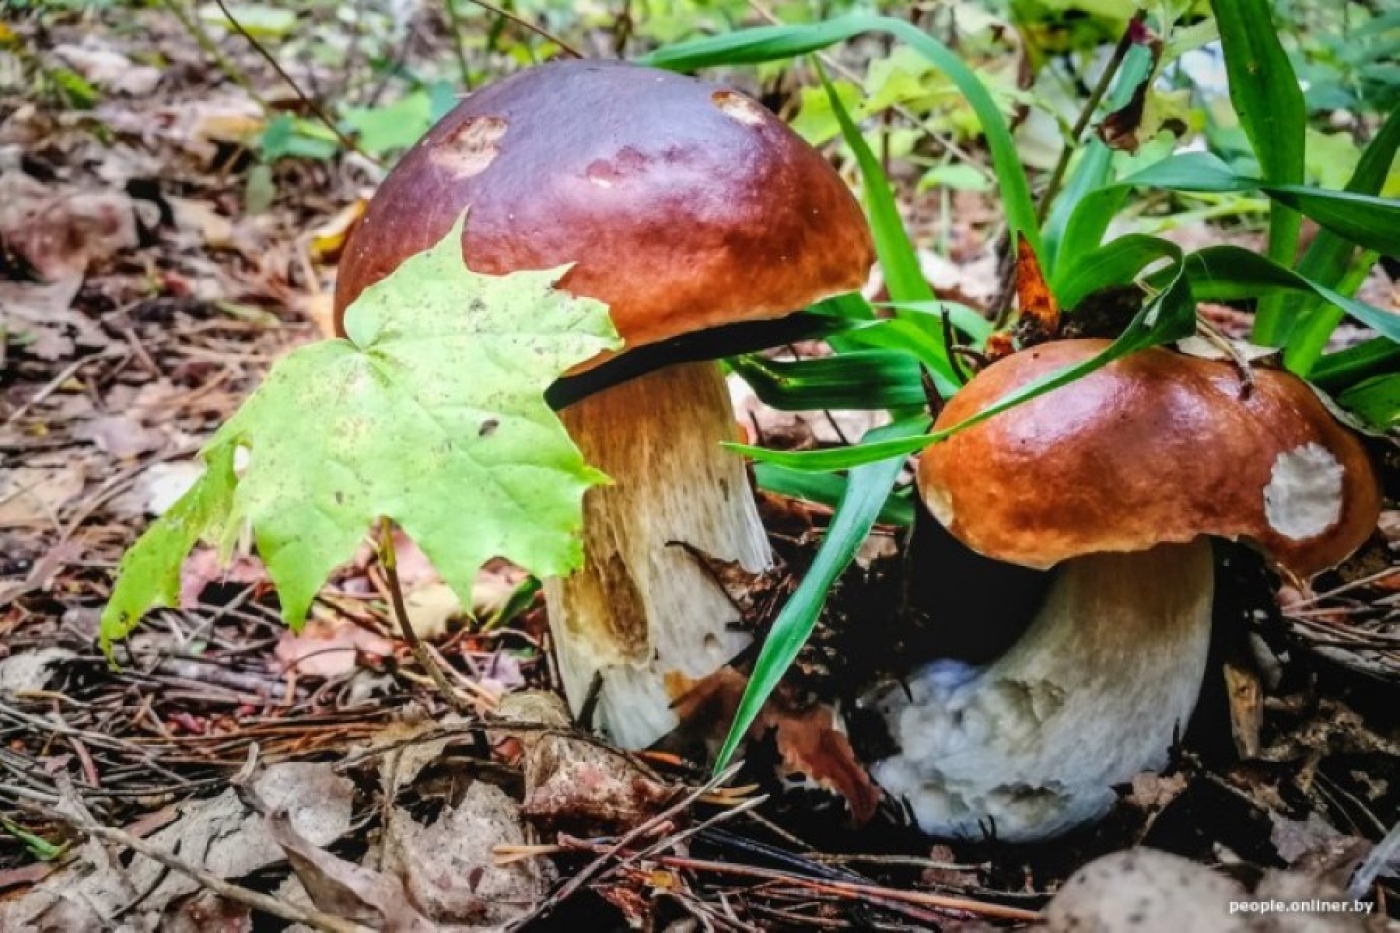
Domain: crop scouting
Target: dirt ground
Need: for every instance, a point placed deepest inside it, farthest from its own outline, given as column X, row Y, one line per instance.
column 142, row 300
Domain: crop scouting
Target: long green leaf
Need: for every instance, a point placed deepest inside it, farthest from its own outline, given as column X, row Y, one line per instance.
column 1376, row 400
column 1169, row 315
column 1115, row 263
column 827, row 489
column 1326, row 259
column 858, row 380
column 1367, row 220
column 866, row 493
column 1269, row 102
column 769, row 43
column 1337, row 371
column 1226, row 273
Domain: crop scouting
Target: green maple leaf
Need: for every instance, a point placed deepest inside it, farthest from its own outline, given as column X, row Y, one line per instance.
column 431, row 413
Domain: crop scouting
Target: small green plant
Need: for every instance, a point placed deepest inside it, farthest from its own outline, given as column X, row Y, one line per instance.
column 346, row 434
column 1299, row 303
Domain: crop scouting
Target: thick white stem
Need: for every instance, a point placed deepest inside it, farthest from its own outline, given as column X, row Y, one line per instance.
column 642, row 615
column 1093, row 694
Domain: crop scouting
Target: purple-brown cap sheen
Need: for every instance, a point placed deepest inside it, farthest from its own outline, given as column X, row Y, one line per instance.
column 683, row 205
column 1155, row 447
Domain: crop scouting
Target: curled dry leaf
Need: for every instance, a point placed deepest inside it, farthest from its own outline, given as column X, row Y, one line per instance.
column 328, row 646
column 220, row 835
column 344, row 889
column 809, row 740
column 572, row 783
column 61, row 232
column 448, row 866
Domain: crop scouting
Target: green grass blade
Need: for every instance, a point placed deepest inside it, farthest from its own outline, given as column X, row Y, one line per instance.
column 1269, row 102
column 1169, row 316
column 855, row 381
column 1327, row 258
column 1095, row 163
column 1227, row 273
column 1115, row 263
column 898, row 261
column 827, row 489
column 768, row 43
column 1376, row 400
column 866, row 493
column 1364, row 219
column 1337, row 371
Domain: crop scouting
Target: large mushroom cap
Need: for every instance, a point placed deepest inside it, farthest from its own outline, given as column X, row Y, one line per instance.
column 684, row 205
column 1155, row 447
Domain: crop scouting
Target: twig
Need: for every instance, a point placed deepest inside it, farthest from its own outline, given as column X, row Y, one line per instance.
column 537, row 30
column 1120, row 51
column 313, row 918
column 851, row 889
column 594, row 868
column 210, row 48
column 311, row 105
column 389, row 561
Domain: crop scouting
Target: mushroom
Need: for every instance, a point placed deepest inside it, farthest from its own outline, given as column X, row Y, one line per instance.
column 1116, row 481
column 686, row 208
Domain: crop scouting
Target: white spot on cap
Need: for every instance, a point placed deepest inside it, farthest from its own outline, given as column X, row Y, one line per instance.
column 471, row 148
column 739, row 107
column 1304, row 495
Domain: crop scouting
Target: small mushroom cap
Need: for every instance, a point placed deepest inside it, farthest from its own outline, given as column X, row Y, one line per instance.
column 1155, row 447
column 684, row 206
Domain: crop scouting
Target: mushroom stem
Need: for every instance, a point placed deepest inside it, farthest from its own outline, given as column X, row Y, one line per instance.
column 1093, row 693
column 642, row 615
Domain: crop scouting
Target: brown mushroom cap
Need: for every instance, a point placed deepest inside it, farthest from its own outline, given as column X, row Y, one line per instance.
column 684, row 205
column 1155, row 447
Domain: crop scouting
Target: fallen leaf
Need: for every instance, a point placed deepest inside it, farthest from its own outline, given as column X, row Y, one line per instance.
column 213, row 229
column 574, row 784
column 327, row 238
column 61, row 232
column 430, row 608
column 39, row 317
column 108, row 69
column 352, row 892
column 32, row 496
column 121, row 436
column 203, row 568
column 448, row 866
column 328, row 646
column 32, row 670
column 810, row 744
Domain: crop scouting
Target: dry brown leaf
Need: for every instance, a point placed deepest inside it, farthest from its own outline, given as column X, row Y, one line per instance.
column 574, row 784
column 203, row 568
column 328, row 647
column 60, row 232
column 344, row 889
column 448, row 866
column 31, row 496
column 810, row 743
column 808, row 740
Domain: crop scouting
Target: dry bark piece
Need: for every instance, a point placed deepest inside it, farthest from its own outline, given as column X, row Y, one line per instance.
column 1119, row 479
column 683, row 206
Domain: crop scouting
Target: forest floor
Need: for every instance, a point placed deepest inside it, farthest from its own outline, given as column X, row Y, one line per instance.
column 141, row 301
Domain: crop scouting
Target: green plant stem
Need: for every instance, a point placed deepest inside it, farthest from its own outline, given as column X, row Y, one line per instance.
column 1057, row 177
column 210, row 48
column 454, row 22
column 537, row 30
column 388, row 559
column 314, row 107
